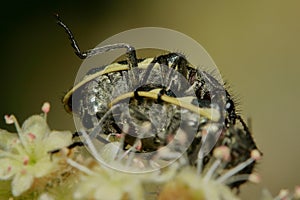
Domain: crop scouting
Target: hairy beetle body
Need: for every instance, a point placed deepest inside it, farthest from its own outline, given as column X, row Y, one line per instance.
column 163, row 102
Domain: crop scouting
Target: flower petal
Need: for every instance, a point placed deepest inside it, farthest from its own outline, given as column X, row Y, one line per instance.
column 6, row 138
column 106, row 192
column 8, row 168
column 43, row 167
column 57, row 140
column 45, row 196
column 36, row 125
column 21, row 183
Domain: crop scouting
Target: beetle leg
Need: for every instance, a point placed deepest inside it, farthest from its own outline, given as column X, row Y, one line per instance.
column 71, row 146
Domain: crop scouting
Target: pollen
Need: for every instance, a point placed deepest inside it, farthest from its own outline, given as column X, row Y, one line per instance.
column 255, row 154
column 25, row 160
column 46, row 107
column 9, row 119
column 9, row 168
column 31, row 136
column 254, row 178
column 222, row 152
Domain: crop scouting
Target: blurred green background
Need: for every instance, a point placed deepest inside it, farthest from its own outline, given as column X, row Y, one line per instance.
column 255, row 45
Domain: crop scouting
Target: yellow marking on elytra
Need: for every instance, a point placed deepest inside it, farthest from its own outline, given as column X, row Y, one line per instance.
column 109, row 69
column 209, row 113
column 114, row 67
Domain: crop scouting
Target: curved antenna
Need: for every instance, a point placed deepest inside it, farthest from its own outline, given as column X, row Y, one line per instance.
column 130, row 51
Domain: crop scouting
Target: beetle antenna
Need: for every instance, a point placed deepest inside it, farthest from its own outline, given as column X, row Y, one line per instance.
column 131, row 53
column 74, row 44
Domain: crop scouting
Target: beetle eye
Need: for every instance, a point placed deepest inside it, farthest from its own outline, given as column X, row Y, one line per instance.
column 229, row 106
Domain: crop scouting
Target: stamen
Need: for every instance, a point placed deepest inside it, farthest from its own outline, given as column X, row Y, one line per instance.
column 132, row 151
column 80, row 167
column 243, row 177
column 297, row 192
column 122, row 142
column 221, row 153
column 121, row 157
column 91, row 147
column 201, row 156
column 283, row 194
column 139, row 145
column 254, row 178
column 212, row 169
column 200, row 162
column 46, row 109
column 236, row 178
column 11, row 119
column 255, row 155
column 165, row 153
column 138, row 163
column 154, row 164
column 25, row 160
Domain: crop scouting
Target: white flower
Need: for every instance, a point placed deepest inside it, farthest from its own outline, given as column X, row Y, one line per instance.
column 187, row 185
column 284, row 194
column 97, row 182
column 24, row 156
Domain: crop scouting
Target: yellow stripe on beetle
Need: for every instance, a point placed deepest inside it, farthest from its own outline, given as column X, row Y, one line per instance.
column 209, row 113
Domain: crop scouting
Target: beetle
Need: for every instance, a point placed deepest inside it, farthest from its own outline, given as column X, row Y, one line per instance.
column 161, row 101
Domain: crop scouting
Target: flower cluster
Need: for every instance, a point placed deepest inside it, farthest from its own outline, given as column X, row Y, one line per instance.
column 187, row 184
column 284, row 194
column 174, row 182
column 28, row 164
column 25, row 157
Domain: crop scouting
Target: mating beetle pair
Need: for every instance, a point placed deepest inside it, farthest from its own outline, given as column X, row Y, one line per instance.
column 160, row 102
